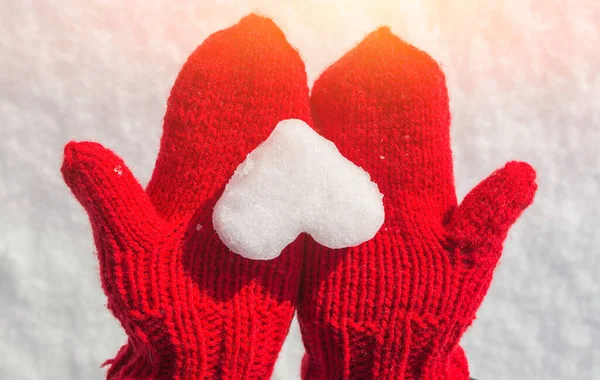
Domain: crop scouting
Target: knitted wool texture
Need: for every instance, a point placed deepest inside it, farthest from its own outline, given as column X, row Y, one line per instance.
column 396, row 306
column 191, row 308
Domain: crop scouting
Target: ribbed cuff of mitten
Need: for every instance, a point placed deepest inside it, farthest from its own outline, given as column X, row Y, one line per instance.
column 358, row 352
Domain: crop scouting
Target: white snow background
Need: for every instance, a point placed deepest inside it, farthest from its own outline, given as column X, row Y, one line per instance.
column 524, row 84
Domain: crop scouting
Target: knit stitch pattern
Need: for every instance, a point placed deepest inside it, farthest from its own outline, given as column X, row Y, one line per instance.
column 396, row 306
column 191, row 308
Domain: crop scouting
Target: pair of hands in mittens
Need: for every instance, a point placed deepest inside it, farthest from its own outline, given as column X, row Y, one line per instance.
column 393, row 307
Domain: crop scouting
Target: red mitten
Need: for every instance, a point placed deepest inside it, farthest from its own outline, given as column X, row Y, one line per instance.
column 191, row 308
column 396, row 306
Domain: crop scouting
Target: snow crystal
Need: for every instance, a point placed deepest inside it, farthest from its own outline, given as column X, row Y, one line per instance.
column 296, row 181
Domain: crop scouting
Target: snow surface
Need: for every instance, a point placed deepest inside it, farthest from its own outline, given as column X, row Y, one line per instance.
column 296, row 181
column 524, row 83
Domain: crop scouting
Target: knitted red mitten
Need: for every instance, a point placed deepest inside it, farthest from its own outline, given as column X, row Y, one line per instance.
column 396, row 306
column 191, row 308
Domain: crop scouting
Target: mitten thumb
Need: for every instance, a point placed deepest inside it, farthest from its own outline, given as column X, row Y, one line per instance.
column 481, row 222
column 117, row 205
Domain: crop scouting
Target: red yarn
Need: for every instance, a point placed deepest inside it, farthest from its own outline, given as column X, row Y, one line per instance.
column 396, row 306
column 191, row 308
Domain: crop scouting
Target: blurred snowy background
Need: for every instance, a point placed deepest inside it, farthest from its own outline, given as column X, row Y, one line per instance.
column 524, row 81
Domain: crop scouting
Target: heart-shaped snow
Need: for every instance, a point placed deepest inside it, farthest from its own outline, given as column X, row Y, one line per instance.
column 296, row 181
